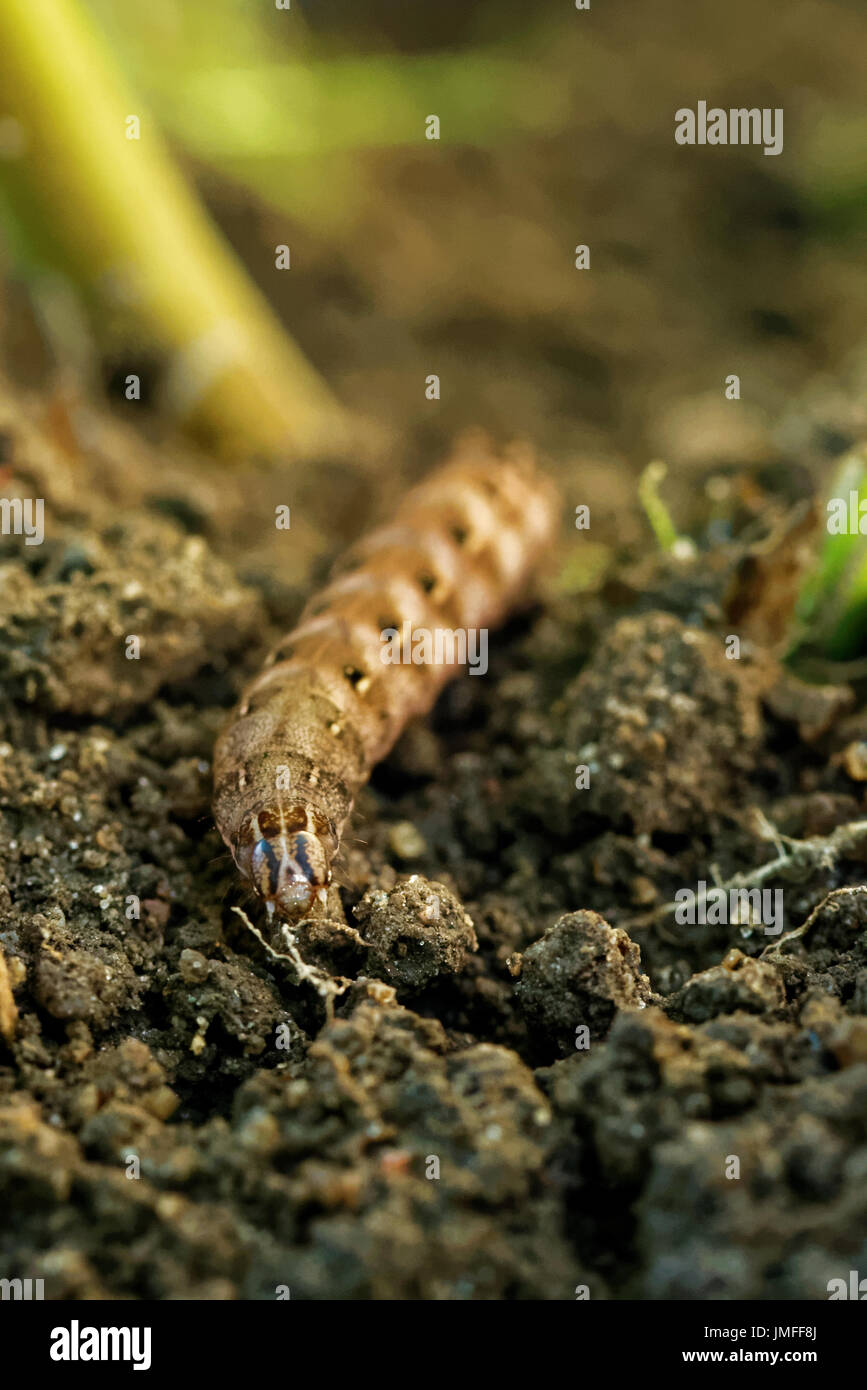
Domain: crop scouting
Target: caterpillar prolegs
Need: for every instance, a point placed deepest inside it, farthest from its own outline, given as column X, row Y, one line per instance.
column 327, row 707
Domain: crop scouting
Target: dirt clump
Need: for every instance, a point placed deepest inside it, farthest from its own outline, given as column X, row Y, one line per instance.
column 578, row 976
column 415, row 933
column 740, row 982
column 638, row 717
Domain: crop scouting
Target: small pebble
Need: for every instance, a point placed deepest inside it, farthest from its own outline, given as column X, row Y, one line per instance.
column 405, row 841
column 855, row 761
column 193, row 966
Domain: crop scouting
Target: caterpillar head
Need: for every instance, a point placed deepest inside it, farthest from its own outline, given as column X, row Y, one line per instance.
column 288, row 867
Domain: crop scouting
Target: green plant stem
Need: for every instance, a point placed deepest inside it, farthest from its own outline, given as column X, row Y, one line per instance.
column 120, row 216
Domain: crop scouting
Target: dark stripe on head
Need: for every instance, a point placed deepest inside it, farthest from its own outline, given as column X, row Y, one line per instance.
column 273, row 864
column 300, row 859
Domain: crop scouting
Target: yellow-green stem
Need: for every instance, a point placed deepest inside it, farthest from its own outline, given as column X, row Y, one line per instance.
column 139, row 241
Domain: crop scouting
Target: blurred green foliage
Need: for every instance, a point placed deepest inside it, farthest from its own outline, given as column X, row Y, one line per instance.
column 832, row 608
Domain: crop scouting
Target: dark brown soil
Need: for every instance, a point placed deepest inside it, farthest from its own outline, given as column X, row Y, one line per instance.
column 447, row 1134
column 179, row 1115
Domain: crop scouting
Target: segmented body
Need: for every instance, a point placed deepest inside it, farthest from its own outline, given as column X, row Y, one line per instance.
column 325, row 709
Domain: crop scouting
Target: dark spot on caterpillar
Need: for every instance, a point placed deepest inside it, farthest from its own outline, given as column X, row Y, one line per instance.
column 269, row 823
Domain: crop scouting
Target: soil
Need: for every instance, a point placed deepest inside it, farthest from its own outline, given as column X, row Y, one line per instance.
column 533, row 1080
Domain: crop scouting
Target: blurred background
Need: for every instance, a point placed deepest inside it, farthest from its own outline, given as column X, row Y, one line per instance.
column 305, row 128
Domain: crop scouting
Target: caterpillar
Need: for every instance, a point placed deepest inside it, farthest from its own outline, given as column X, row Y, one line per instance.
column 309, row 729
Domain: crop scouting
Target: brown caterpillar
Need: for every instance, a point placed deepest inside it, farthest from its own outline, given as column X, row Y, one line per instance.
column 325, row 709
